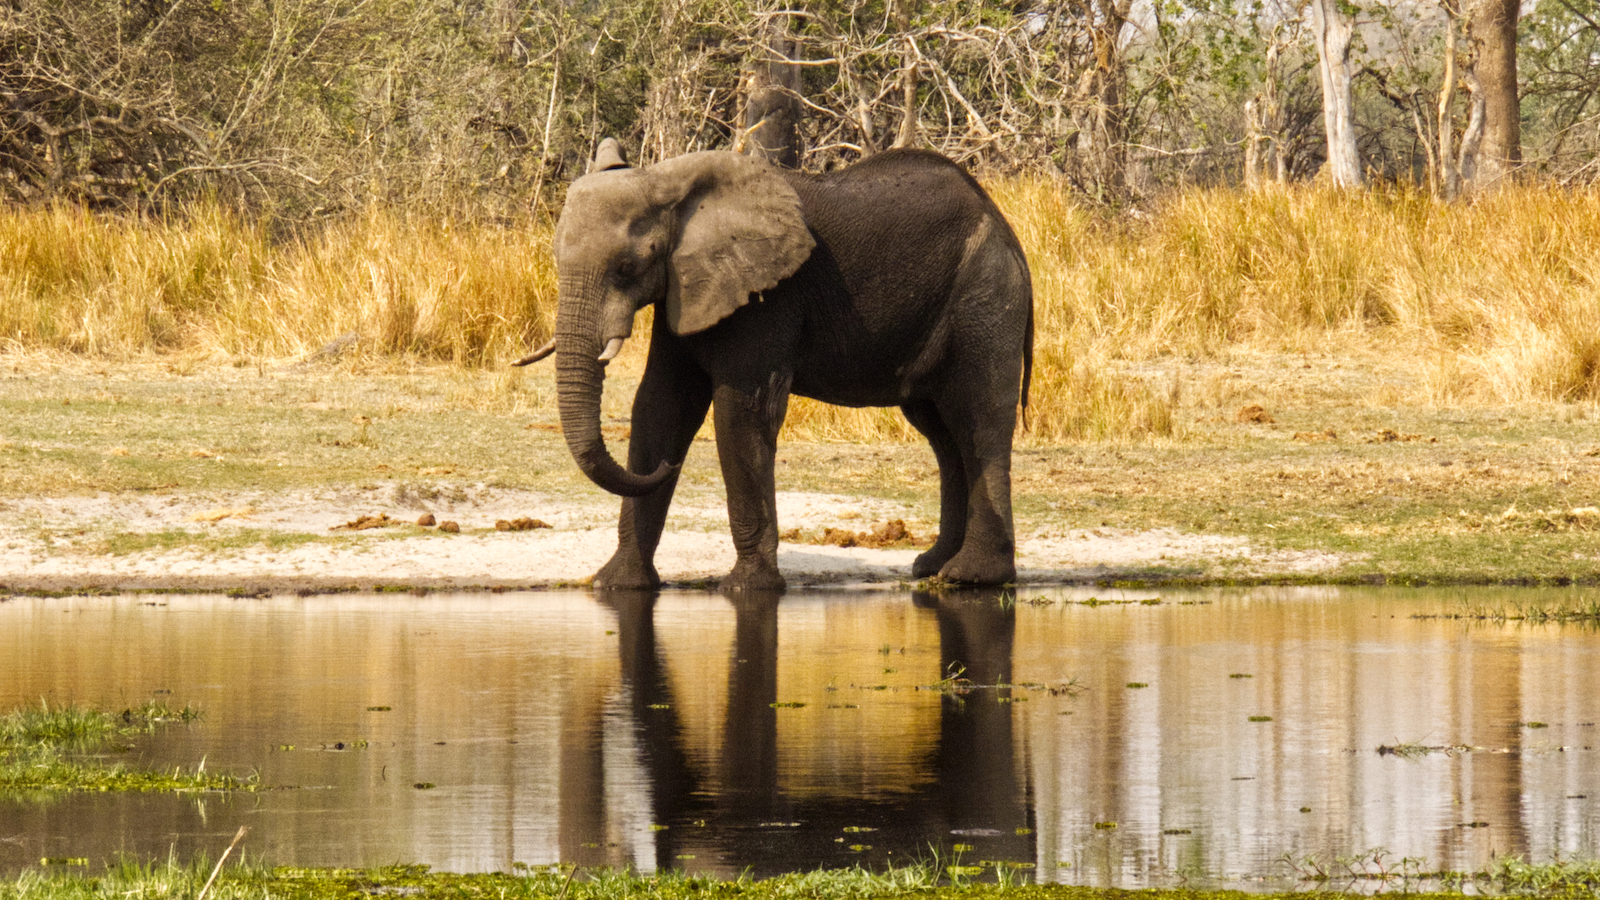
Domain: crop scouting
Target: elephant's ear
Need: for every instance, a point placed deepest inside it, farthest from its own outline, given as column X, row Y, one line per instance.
column 608, row 156
column 740, row 232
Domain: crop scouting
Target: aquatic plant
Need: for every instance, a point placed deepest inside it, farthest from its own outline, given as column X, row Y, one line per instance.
column 46, row 748
column 936, row 878
column 1362, row 872
column 1580, row 610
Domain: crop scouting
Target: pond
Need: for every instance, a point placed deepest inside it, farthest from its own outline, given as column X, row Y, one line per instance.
column 1095, row 736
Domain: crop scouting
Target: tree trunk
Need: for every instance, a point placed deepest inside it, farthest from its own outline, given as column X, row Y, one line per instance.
column 772, row 109
column 1253, row 139
column 1333, row 31
column 1449, row 165
column 900, row 21
column 906, row 134
column 1103, row 115
column 1275, row 163
column 1492, row 35
column 1472, row 137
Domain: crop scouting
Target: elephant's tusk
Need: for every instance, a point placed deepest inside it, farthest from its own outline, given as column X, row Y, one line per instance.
column 537, row 355
column 613, row 347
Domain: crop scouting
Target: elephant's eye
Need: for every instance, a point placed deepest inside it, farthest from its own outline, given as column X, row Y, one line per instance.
column 628, row 268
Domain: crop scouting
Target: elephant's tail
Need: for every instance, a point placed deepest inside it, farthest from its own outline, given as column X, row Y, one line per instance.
column 1027, row 361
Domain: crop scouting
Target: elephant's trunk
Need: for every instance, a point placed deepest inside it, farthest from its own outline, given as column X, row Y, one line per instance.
column 579, row 376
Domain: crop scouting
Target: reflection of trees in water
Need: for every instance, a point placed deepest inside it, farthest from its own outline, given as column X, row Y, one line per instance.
column 737, row 818
column 606, row 734
column 1196, row 782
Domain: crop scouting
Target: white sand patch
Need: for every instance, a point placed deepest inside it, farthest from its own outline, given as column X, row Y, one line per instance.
column 65, row 544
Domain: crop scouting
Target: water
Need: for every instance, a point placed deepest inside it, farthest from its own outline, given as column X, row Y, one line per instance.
column 773, row 736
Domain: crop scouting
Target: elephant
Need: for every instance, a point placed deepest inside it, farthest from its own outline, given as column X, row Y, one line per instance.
column 895, row 281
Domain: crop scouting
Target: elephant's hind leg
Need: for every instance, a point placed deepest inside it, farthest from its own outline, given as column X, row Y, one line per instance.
column 924, row 416
column 977, row 401
column 988, row 553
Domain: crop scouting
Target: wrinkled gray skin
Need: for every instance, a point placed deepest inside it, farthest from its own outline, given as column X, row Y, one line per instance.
column 895, row 282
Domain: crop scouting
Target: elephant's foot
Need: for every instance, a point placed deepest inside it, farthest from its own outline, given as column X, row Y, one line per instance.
column 930, row 561
column 625, row 574
column 972, row 566
column 751, row 575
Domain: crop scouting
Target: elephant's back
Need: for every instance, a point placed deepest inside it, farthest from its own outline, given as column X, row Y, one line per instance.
column 894, row 190
column 896, row 238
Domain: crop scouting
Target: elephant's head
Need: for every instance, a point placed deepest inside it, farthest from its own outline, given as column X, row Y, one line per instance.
column 699, row 233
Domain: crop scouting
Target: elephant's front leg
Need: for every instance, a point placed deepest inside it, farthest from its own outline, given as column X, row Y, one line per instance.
column 747, row 423
column 668, row 410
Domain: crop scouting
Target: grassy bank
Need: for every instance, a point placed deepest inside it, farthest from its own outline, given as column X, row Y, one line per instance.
column 174, row 880
column 1400, row 388
column 65, row 748
column 1493, row 302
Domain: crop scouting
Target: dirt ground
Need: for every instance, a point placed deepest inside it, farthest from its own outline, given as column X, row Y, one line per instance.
column 695, row 550
column 239, row 476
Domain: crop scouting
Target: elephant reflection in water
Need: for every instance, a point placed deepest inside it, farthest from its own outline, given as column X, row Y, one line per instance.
column 976, row 765
column 970, row 790
column 589, row 836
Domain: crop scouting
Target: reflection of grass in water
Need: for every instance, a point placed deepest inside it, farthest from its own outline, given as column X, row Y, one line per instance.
column 1092, row 602
column 1410, row 750
column 956, row 684
column 46, row 748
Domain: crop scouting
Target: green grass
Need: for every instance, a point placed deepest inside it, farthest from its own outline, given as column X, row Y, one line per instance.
column 249, row 882
column 127, row 543
column 1507, row 875
column 77, row 727
column 59, row 748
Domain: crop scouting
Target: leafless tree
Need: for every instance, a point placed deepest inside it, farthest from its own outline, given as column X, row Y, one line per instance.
column 1332, row 28
column 305, row 108
column 772, row 90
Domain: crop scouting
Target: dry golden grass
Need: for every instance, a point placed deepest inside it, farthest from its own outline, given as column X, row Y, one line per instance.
column 1494, row 301
column 111, row 286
